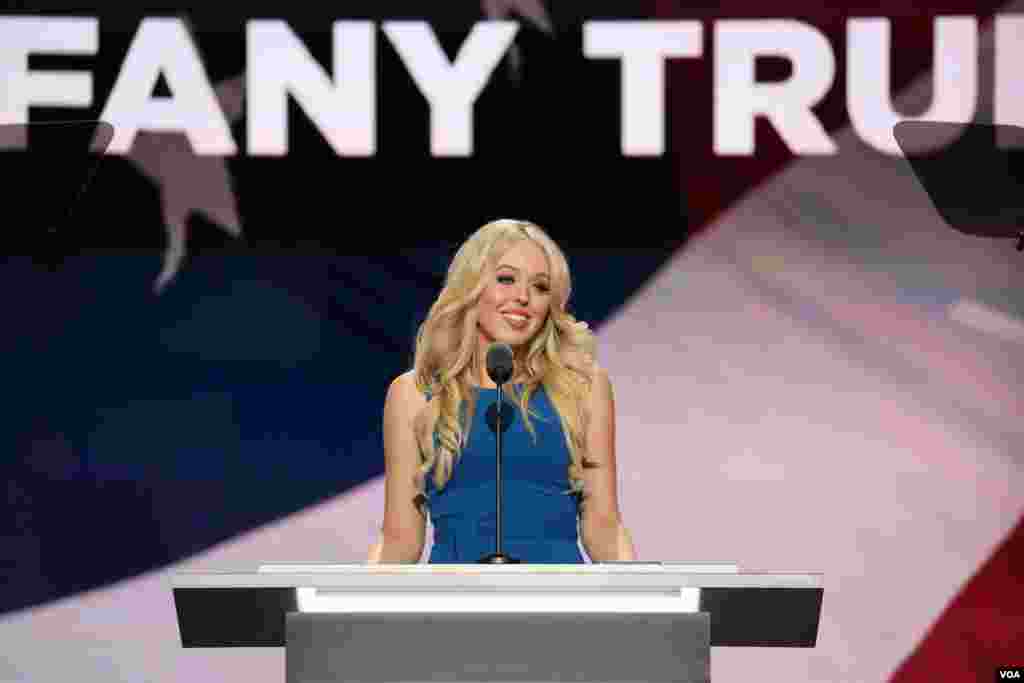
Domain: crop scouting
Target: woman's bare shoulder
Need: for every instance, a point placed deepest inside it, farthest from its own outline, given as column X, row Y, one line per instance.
column 404, row 393
column 583, row 361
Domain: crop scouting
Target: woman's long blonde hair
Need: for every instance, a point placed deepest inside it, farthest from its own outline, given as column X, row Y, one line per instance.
column 448, row 363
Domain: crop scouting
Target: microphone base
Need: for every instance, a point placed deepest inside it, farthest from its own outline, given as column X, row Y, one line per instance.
column 498, row 558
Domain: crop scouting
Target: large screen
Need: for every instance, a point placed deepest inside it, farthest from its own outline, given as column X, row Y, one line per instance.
column 814, row 334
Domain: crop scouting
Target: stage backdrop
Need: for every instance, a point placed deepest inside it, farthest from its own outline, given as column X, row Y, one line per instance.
column 198, row 340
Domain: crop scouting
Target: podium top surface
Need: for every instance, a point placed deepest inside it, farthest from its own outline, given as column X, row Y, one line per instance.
column 625, row 576
column 247, row 607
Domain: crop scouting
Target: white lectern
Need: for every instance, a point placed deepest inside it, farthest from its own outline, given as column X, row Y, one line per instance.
column 608, row 623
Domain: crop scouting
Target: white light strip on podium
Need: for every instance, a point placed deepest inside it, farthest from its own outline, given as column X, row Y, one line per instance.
column 686, row 600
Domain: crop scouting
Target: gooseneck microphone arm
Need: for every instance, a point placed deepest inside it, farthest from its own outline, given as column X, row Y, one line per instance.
column 498, row 478
column 499, row 368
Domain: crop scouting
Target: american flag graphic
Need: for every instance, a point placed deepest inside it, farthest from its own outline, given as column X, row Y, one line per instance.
column 816, row 374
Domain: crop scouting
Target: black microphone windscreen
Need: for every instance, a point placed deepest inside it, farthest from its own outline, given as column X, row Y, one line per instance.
column 508, row 416
column 499, row 363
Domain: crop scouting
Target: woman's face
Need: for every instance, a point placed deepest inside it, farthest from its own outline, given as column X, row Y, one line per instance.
column 514, row 305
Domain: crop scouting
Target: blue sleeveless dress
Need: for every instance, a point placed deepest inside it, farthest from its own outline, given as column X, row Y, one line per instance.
column 539, row 519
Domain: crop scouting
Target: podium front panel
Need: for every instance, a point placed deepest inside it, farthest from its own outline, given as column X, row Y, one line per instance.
column 505, row 648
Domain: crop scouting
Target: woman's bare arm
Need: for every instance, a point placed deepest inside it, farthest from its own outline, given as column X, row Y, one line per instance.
column 603, row 533
column 403, row 532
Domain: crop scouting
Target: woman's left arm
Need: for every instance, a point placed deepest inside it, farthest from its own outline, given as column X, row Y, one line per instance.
column 604, row 536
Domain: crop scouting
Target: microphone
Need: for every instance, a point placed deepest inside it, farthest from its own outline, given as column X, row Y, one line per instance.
column 500, row 365
column 499, row 368
column 502, row 421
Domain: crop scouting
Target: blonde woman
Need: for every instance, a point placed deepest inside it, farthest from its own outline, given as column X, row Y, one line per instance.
column 508, row 283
